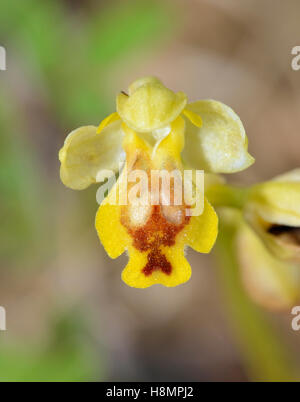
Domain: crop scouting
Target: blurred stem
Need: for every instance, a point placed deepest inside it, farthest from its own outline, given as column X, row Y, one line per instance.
column 263, row 353
column 225, row 195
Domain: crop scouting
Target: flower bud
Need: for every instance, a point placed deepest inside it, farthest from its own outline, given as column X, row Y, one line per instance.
column 270, row 282
column 273, row 210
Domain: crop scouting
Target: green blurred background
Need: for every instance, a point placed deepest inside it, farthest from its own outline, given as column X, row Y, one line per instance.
column 69, row 316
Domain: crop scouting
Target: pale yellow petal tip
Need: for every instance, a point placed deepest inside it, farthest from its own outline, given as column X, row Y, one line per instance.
column 242, row 162
column 251, row 160
column 290, row 176
column 150, row 105
column 150, row 80
column 61, row 154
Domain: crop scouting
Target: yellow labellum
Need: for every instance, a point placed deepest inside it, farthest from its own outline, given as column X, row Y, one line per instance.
column 154, row 235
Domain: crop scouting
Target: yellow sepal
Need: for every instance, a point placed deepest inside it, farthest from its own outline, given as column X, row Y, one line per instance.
column 150, row 105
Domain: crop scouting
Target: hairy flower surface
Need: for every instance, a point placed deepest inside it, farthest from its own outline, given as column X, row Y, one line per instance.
column 155, row 129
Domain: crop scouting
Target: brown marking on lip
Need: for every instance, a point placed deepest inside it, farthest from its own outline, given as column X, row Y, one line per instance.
column 157, row 261
column 161, row 226
column 152, row 236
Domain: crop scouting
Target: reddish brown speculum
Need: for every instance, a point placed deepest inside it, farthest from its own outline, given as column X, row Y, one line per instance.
column 157, row 261
column 153, row 235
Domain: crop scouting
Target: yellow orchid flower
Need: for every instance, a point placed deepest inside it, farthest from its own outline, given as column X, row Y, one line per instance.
column 154, row 129
column 270, row 282
column 273, row 210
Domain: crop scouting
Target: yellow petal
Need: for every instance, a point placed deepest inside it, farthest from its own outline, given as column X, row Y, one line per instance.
column 170, row 147
column 85, row 153
column 133, row 143
column 193, row 117
column 109, row 119
column 150, row 105
column 111, row 233
column 220, row 144
column 202, row 231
